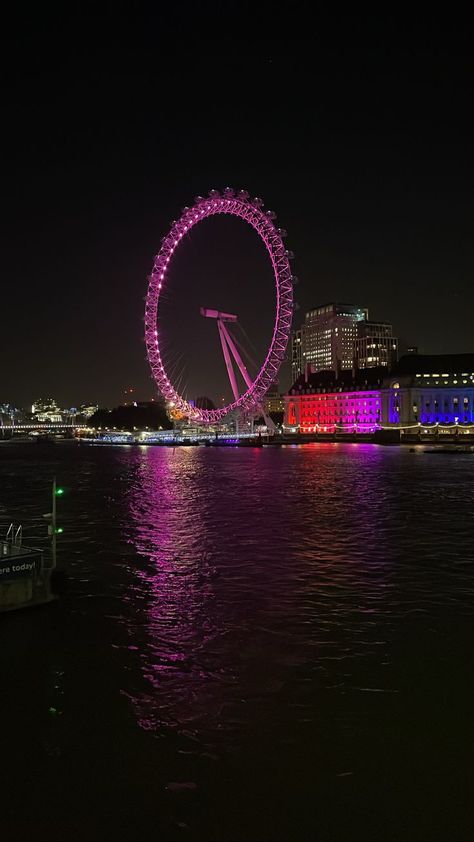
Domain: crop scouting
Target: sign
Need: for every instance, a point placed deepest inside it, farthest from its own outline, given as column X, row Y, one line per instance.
column 19, row 567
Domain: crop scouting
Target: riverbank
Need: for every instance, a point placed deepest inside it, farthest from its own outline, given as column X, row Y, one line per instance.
column 458, row 439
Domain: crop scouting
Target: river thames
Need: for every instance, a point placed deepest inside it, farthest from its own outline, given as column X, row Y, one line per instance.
column 251, row 644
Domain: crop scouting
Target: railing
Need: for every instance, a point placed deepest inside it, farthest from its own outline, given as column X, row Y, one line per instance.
column 40, row 426
column 7, row 548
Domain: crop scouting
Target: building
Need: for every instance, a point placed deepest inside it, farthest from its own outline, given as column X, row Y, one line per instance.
column 296, row 355
column 11, row 415
column 46, row 411
column 87, row 410
column 274, row 403
column 328, row 336
column 325, row 402
column 417, row 390
column 436, row 389
column 273, row 400
column 375, row 345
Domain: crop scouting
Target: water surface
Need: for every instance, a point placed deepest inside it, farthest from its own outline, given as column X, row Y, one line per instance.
column 253, row 644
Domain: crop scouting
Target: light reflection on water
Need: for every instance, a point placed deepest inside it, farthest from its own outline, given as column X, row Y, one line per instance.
column 287, row 629
column 269, row 577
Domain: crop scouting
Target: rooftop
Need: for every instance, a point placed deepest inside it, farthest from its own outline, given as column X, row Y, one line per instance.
column 365, row 378
column 336, row 304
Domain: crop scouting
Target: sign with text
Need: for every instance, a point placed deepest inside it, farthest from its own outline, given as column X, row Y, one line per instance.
column 19, row 566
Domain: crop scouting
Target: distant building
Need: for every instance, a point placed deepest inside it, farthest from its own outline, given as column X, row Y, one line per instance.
column 46, row 411
column 275, row 403
column 430, row 389
column 328, row 336
column 375, row 345
column 10, row 414
column 273, row 400
column 87, row 410
column 296, row 355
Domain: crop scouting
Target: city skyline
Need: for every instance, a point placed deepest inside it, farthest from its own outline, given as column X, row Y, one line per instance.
column 370, row 173
column 236, row 422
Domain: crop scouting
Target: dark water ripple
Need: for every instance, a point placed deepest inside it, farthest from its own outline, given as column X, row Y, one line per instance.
column 254, row 644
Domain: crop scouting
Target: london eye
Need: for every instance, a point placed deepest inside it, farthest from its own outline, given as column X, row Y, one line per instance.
column 250, row 397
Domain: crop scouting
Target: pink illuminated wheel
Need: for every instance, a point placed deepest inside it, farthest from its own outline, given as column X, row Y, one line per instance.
column 250, row 210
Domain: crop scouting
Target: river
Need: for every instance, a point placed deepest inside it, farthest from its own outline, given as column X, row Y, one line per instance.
column 250, row 644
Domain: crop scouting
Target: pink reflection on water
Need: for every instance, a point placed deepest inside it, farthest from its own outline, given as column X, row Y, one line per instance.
column 174, row 588
column 249, row 564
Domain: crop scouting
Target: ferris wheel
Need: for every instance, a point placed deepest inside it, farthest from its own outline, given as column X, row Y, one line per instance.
column 251, row 211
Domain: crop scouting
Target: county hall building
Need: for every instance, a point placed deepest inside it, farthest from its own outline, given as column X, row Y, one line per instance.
column 417, row 390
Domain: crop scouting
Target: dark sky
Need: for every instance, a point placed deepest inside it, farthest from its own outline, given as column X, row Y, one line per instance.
column 357, row 130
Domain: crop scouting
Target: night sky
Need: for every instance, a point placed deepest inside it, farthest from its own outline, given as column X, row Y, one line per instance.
column 357, row 130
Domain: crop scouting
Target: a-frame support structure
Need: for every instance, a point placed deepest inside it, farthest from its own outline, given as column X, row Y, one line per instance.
column 228, row 348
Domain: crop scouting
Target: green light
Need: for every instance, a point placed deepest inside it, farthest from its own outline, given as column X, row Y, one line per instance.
column 59, row 530
column 59, row 491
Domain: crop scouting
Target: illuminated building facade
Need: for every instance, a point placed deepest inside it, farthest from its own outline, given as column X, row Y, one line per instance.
column 375, row 345
column 328, row 336
column 324, row 402
column 437, row 389
column 417, row 390
column 46, row 411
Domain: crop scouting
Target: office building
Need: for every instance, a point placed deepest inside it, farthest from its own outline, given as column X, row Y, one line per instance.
column 375, row 345
column 296, row 355
column 328, row 336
